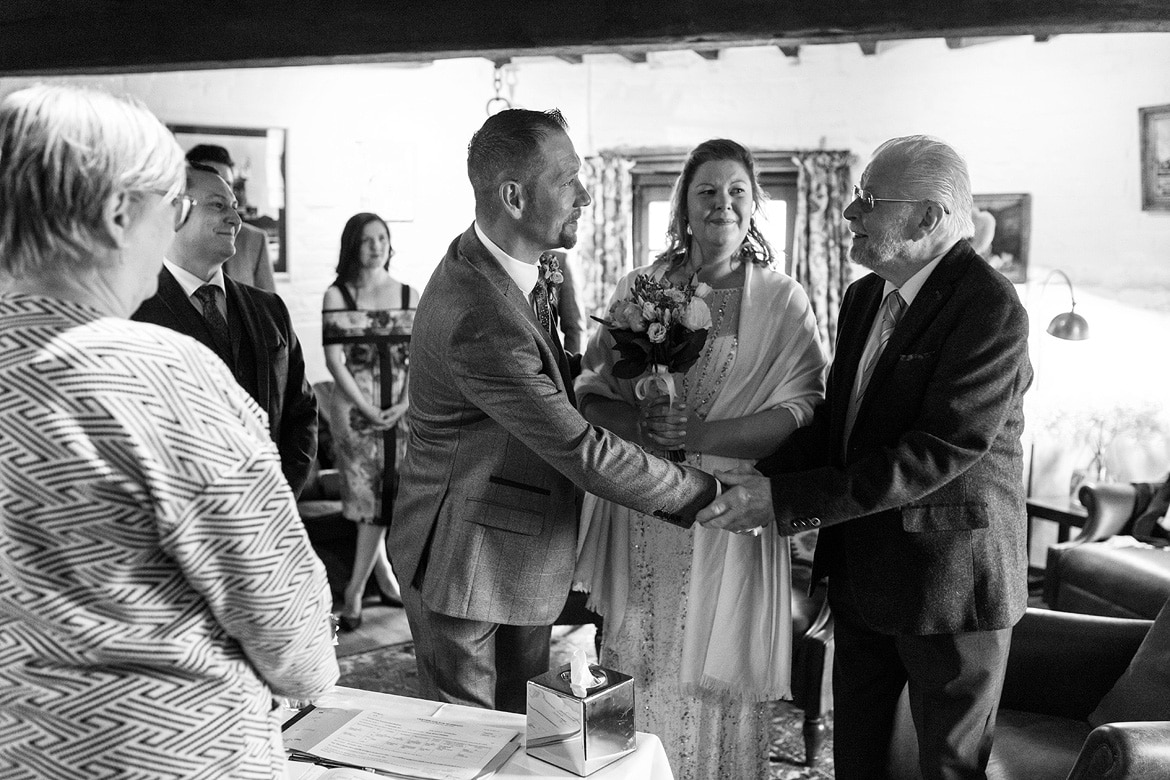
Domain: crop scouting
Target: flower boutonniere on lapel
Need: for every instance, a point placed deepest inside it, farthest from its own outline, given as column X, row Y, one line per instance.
column 550, row 274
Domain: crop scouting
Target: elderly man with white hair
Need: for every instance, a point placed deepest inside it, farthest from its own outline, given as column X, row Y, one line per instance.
column 913, row 471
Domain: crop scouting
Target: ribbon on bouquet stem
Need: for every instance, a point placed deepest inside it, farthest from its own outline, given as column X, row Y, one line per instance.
column 660, row 382
column 659, row 379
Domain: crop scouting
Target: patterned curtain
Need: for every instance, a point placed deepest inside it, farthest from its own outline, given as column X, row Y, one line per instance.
column 605, row 234
column 820, row 243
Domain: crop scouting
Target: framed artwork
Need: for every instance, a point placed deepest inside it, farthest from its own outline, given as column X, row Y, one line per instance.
column 1003, row 229
column 1155, row 123
column 259, row 163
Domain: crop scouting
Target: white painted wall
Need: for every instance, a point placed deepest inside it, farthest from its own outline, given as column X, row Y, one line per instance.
column 1058, row 120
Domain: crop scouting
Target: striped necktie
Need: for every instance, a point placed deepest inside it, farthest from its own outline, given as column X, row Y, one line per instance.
column 892, row 308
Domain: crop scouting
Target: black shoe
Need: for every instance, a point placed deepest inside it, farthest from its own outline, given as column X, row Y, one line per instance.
column 347, row 623
column 389, row 601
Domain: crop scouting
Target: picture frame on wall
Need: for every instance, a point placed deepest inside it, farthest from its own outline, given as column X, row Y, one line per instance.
column 1155, row 132
column 1003, row 231
column 259, row 157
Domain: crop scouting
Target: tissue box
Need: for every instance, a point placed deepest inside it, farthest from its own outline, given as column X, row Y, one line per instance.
column 580, row 735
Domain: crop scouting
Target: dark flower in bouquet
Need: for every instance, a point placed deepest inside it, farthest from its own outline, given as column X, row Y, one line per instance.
column 658, row 330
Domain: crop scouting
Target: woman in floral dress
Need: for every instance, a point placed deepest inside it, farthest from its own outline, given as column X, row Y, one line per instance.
column 366, row 319
column 701, row 618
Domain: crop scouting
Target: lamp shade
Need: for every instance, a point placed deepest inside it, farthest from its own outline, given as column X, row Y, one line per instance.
column 1069, row 326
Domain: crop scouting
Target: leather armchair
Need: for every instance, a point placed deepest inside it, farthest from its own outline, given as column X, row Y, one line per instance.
column 1060, row 666
column 1104, row 579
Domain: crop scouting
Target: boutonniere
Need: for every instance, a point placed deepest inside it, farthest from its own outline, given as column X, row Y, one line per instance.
column 550, row 274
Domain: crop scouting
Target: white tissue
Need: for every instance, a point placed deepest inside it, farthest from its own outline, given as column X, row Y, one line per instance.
column 580, row 678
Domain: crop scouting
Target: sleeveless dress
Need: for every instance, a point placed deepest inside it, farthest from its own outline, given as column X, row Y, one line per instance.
column 375, row 344
column 708, row 735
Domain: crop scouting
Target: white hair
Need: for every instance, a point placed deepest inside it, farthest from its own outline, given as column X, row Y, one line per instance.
column 64, row 150
column 933, row 170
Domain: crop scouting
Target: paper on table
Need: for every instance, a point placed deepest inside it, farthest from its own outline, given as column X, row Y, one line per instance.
column 423, row 747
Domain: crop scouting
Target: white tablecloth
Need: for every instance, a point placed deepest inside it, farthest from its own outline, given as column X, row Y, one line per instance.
column 648, row 762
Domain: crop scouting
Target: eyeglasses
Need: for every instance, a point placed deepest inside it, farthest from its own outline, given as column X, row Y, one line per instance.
column 183, row 204
column 867, row 200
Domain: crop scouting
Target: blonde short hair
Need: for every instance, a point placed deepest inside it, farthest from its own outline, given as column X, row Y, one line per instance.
column 64, row 150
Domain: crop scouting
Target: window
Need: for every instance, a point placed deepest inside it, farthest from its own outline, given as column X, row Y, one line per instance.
column 654, row 176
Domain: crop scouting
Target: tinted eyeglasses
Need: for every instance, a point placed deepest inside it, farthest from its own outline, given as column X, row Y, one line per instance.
column 182, row 203
column 867, row 200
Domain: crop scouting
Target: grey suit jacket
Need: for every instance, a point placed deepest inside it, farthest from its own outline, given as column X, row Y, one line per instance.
column 280, row 385
column 250, row 264
column 922, row 513
column 485, row 522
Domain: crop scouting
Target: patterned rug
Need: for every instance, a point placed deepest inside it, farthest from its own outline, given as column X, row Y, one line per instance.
column 391, row 669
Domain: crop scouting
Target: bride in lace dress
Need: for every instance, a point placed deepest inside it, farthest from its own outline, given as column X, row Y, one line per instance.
column 702, row 618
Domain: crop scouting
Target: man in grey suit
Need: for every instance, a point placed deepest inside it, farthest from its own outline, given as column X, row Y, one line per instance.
column 912, row 469
column 250, row 264
column 485, row 523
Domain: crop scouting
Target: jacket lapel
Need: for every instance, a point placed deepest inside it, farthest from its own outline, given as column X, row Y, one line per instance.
column 183, row 315
column 472, row 250
column 919, row 316
column 257, row 336
column 850, row 345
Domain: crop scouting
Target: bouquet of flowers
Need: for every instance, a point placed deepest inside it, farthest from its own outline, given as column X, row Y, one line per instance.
column 658, row 330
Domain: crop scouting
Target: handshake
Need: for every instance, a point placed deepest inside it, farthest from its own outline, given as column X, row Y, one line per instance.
column 744, row 506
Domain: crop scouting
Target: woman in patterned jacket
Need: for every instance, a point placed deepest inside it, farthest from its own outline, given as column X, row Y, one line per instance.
column 157, row 588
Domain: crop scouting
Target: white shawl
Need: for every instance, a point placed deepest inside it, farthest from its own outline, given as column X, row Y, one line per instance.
column 738, row 632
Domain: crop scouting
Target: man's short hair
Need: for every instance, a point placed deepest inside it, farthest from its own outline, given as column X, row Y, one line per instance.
column 64, row 151
column 210, row 153
column 505, row 148
column 195, row 166
column 933, row 169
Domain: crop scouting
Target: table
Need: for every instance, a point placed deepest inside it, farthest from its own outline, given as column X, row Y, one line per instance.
column 648, row 762
column 1058, row 509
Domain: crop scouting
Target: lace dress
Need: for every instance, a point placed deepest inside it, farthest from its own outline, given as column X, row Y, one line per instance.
column 709, row 735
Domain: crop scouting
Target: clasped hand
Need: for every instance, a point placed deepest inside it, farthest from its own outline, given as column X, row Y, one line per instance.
column 385, row 419
column 662, row 425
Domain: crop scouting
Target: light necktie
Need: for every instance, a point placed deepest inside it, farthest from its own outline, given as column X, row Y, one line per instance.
column 215, row 321
column 891, row 311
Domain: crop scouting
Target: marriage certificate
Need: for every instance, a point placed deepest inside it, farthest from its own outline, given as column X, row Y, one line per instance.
column 410, row 745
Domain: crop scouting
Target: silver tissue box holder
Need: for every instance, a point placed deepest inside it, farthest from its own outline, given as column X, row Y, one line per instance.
column 580, row 735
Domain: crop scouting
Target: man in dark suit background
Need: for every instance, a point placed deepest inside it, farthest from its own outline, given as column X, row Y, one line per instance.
column 250, row 263
column 248, row 328
column 485, row 523
column 912, row 469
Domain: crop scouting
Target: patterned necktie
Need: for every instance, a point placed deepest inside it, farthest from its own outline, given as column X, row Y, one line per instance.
column 892, row 308
column 215, row 321
column 540, row 303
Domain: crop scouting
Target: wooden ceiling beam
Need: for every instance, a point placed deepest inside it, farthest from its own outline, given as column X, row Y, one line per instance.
column 112, row 36
column 708, row 54
column 868, row 48
column 791, row 51
column 635, row 57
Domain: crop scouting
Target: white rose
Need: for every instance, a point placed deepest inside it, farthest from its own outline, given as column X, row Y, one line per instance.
column 657, row 332
column 697, row 315
column 702, row 289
